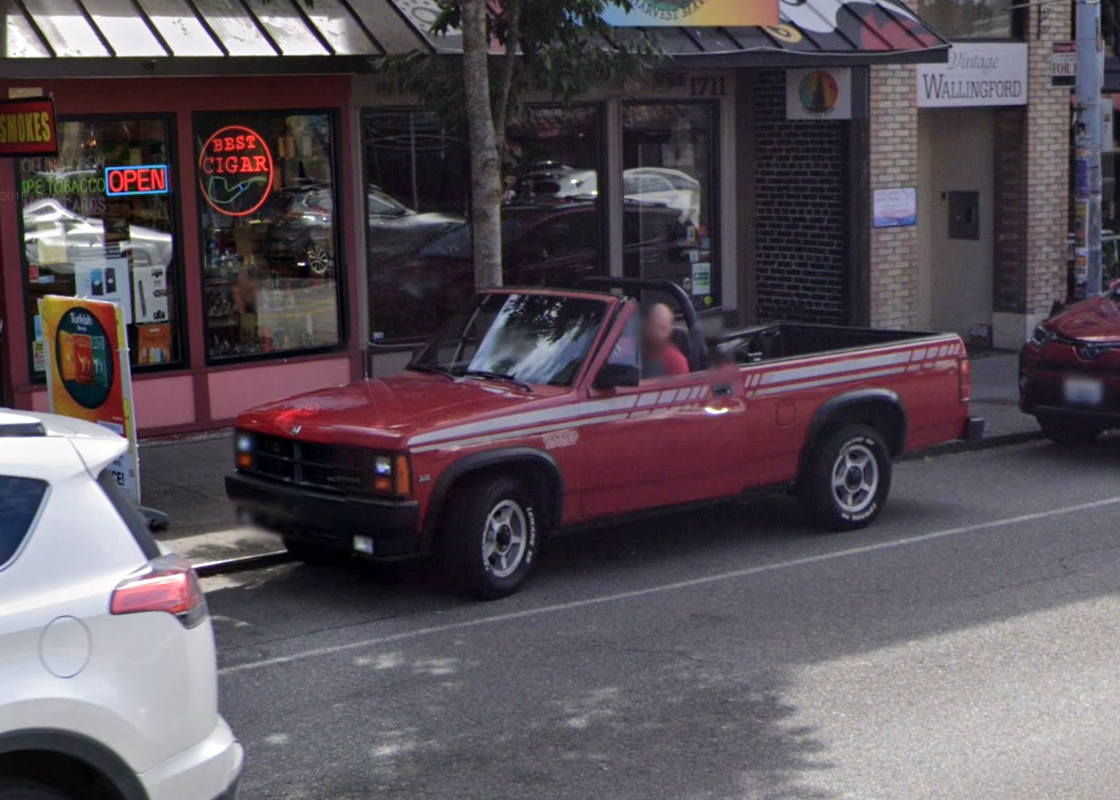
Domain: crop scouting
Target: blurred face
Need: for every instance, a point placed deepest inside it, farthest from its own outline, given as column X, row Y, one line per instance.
column 658, row 327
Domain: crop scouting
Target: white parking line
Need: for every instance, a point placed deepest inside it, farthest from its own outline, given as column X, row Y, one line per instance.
column 666, row 587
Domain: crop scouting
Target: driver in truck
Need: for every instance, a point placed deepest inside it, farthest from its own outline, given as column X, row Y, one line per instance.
column 659, row 355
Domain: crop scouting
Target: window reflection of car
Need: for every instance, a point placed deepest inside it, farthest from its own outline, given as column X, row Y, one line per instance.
column 550, row 180
column 55, row 237
column 666, row 187
column 302, row 236
column 542, row 245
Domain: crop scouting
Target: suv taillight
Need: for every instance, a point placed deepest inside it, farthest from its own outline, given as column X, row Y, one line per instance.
column 965, row 371
column 169, row 585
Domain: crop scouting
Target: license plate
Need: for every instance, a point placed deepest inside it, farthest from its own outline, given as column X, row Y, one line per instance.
column 1084, row 391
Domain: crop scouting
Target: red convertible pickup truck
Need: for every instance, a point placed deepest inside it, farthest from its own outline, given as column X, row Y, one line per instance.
column 529, row 413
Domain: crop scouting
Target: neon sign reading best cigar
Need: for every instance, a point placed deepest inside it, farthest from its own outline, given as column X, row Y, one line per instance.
column 235, row 171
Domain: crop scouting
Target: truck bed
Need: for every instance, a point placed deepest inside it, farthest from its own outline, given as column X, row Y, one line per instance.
column 780, row 340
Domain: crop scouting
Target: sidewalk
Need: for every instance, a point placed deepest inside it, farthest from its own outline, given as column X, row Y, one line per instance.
column 185, row 478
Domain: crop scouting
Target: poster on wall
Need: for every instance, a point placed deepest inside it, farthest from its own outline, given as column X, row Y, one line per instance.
column 977, row 74
column 149, row 293
column 895, row 208
column 88, row 375
column 819, row 93
column 101, row 278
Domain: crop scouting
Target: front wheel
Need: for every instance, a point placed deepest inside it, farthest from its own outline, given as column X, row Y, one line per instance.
column 1069, row 430
column 846, row 483
column 490, row 538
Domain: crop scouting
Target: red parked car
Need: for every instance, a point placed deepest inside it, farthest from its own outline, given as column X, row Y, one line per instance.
column 1069, row 370
column 529, row 413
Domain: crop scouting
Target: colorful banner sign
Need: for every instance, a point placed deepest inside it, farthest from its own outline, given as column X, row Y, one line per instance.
column 88, row 374
column 125, row 181
column 694, row 13
column 28, row 127
column 235, row 171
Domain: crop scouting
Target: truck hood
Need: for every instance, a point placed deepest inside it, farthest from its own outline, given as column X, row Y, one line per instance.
column 1094, row 320
column 386, row 412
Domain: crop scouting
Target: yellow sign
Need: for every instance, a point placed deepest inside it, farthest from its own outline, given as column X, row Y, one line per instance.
column 88, row 374
column 694, row 13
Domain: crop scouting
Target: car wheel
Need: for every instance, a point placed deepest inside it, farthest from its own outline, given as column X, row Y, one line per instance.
column 314, row 553
column 846, row 483
column 1070, row 430
column 319, row 260
column 29, row 790
column 490, row 539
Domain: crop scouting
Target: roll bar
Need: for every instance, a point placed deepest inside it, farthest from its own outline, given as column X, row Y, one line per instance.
column 658, row 285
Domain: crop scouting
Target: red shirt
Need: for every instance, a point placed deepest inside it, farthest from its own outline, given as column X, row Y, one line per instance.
column 671, row 359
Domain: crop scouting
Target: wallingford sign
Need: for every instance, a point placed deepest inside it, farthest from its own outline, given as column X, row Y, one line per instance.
column 978, row 74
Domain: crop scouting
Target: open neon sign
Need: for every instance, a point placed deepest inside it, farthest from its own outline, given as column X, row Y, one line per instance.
column 123, row 181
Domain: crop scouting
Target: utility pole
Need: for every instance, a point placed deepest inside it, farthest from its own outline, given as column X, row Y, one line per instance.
column 1087, row 150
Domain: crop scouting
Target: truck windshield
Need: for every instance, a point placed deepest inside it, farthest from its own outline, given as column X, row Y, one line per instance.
column 530, row 338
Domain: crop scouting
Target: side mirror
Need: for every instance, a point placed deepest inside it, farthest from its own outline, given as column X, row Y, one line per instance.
column 612, row 376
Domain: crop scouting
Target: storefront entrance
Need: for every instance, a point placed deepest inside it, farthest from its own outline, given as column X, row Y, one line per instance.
column 957, row 163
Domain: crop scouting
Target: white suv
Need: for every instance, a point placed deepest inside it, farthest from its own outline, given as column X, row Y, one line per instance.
column 108, row 679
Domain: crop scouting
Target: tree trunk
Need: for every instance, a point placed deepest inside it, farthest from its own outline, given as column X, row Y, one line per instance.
column 486, row 177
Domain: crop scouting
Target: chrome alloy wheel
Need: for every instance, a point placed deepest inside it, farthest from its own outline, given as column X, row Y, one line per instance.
column 855, row 478
column 505, row 540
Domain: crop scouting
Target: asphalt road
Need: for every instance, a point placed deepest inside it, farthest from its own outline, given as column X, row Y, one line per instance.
column 966, row 646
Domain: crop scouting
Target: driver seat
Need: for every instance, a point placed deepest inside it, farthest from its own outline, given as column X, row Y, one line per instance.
column 692, row 347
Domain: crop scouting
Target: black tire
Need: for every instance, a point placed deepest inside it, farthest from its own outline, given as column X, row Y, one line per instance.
column 1070, row 430
column 20, row 789
column 311, row 553
column 866, row 479
column 468, row 532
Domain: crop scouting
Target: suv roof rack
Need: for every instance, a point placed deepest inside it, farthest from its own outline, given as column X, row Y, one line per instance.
column 12, row 425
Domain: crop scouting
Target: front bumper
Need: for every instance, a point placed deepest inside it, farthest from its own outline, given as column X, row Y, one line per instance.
column 210, row 769
column 329, row 520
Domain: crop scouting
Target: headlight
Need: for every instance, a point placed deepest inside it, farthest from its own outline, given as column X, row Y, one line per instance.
column 391, row 475
column 243, row 450
column 244, row 443
column 1042, row 335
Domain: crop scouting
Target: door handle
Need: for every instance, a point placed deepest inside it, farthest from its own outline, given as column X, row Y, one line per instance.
column 723, row 390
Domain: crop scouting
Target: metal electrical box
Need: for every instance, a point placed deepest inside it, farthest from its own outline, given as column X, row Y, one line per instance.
column 964, row 215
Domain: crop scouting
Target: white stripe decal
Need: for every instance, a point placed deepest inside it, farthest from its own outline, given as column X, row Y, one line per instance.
column 521, row 432
column 820, row 370
column 526, row 418
column 667, row 396
column 793, row 387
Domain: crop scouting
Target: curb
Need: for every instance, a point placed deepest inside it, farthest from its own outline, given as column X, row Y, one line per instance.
column 987, row 443
column 241, row 563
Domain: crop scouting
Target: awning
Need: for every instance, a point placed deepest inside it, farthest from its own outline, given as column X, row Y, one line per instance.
column 66, row 38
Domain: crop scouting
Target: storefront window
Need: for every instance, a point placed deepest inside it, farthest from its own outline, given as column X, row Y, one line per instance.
column 669, row 196
column 417, row 174
column 267, row 207
column 99, row 222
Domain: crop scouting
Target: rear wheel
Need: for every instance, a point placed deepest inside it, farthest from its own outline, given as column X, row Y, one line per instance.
column 1070, row 430
column 319, row 260
column 848, row 478
column 314, row 553
column 20, row 789
column 489, row 539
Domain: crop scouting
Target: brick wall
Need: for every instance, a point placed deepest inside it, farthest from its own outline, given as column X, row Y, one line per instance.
column 893, row 164
column 1010, row 202
column 1048, row 143
column 801, row 211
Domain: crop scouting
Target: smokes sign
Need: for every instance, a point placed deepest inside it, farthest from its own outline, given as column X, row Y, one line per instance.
column 976, row 75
